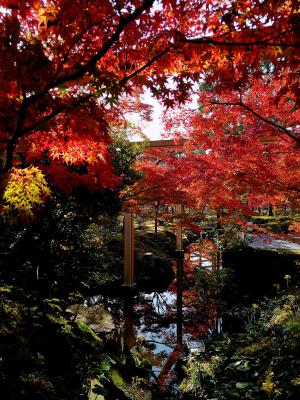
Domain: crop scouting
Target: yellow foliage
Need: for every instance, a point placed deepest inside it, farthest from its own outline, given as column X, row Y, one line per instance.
column 26, row 190
column 281, row 315
column 296, row 381
column 268, row 385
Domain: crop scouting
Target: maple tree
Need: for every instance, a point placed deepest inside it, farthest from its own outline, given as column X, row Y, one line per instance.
column 66, row 64
column 241, row 152
column 245, row 145
column 70, row 71
column 225, row 171
column 26, row 188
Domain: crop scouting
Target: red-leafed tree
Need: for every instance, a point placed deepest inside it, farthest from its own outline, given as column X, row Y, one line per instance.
column 241, row 151
column 66, row 63
column 242, row 145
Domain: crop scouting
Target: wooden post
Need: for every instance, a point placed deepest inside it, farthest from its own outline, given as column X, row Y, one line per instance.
column 179, row 257
column 129, row 331
column 178, row 229
column 128, row 250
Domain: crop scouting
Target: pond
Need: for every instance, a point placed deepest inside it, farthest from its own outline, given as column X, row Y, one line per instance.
column 165, row 325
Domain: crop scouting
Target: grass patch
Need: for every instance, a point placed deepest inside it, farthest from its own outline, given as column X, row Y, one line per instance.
column 275, row 224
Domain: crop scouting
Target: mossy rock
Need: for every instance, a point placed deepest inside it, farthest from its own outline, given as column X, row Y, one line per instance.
column 132, row 391
column 99, row 320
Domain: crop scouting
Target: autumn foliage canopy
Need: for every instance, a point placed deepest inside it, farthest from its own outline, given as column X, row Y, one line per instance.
column 68, row 68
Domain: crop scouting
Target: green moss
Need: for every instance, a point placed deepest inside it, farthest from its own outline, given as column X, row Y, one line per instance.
column 88, row 333
column 160, row 244
column 132, row 390
column 276, row 224
column 117, row 378
column 293, row 327
column 260, row 346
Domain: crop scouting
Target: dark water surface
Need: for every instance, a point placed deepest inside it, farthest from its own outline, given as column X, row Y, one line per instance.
column 159, row 325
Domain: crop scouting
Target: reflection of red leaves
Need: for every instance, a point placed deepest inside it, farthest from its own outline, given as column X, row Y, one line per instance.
column 189, row 297
column 205, row 250
column 167, row 375
column 198, row 330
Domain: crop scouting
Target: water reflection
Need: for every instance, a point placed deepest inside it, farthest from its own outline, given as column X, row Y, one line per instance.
column 179, row 280
column 160, row 324
column 129, row 322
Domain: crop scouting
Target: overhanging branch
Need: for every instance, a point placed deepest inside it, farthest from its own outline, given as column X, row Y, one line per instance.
column 21, row 133
column 253, row 112
column 215, row 42
column 81, row 71
column 145, row 66
column 123, row 23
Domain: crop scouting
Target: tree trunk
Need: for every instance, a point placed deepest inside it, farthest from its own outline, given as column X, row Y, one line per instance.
column 270, row 211
column 156, row 209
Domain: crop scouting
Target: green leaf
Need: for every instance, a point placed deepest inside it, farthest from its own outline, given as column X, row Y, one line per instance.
column 40, row 358
column 199, row 151
column 243, row 367
column 242, row 385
